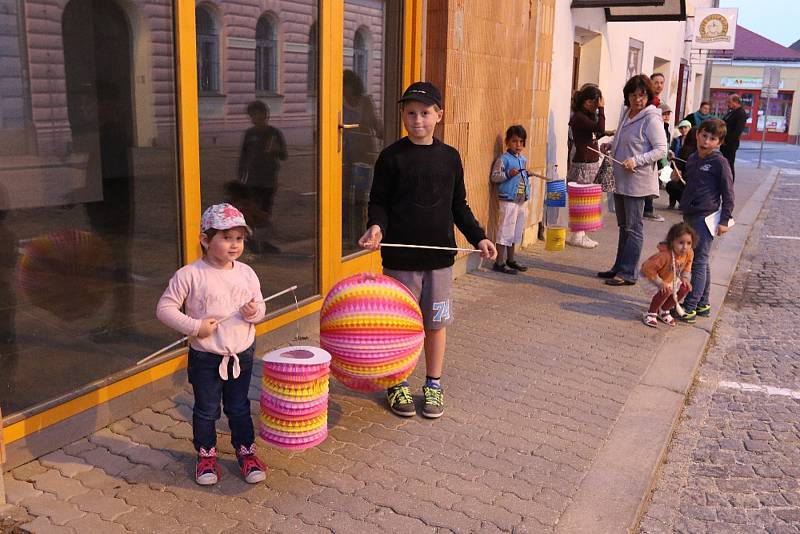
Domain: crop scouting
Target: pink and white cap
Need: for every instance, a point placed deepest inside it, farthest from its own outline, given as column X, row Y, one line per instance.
column 223, row 217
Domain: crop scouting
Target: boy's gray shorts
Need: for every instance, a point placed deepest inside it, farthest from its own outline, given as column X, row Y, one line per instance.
column 432, row 291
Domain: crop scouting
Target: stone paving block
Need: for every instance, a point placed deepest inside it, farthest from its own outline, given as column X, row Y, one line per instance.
column 244, row 512
column 18, row 490
column 94, row 523
column 42, row 525
column 95, row 502
column 77, row 447
column 496, row 515
column 388, row 521
column 98, row 479
column 355, row 506
column 342, row 523
column 307, row 511
column 29, row 470
column 101, row 458
column 181, row 430
column 163, row 405
column 142, row 454
column 62, row 487
column 142, row 497
column 146, row 522
column 115, row 443
column 68, row 465
column 211, row 522
column 293, row 525
column 156, row 421
column 59, row 512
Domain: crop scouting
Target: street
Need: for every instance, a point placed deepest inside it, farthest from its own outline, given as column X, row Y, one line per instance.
column 775, row 154
column 734, row 461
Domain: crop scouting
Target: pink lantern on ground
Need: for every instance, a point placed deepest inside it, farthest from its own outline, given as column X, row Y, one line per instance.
column 372, row 326
column 294, row 397
column 585, row 207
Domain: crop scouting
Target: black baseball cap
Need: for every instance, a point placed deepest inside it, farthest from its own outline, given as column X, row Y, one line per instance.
column 424, row 92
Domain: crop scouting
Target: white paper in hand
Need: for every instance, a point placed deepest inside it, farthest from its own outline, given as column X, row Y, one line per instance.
column 712, row 222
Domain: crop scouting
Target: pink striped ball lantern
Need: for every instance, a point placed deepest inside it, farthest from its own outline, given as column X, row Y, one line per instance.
column 372, row 326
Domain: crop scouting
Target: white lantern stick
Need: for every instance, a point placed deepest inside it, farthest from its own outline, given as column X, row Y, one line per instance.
column 185, row 338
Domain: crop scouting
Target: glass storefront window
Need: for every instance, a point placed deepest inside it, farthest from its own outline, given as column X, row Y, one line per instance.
column 88, row 194
column 369, row 116
column 777, row 115
column 259, row 136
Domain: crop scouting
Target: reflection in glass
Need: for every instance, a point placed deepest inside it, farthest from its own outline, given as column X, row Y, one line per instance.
column 88, row 229
column 207, row 46
column 370, row 84
column 258, row 140
column 266, row 55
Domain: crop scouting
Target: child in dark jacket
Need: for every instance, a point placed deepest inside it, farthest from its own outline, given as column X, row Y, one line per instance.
column 709, row 189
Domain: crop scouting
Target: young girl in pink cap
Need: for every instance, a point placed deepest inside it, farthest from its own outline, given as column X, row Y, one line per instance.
column 222, row 299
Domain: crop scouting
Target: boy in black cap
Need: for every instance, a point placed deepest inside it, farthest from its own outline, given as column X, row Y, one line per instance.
column 417, row 195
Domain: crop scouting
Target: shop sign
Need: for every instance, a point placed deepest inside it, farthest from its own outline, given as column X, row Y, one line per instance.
column 744, row 82
column 714, row 28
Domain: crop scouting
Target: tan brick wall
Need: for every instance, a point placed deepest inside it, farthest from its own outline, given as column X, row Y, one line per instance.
column 492, row 59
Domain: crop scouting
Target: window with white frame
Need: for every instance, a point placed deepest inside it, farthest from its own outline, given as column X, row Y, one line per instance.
column 266, row 55
column 207, row 51
column 361, row 55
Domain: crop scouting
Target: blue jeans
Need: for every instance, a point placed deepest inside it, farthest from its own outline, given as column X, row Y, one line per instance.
column 648, row 205
column 629, row 212
column 701, row 271
column 209, row 389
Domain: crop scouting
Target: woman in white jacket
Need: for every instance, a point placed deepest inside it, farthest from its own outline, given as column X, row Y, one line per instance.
column 639, row 143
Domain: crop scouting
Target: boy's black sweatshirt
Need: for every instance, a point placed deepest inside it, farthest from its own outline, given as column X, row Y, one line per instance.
column 707, row 181
column 417, row 195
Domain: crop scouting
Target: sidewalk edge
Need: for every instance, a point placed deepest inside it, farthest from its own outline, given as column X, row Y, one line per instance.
column 613, row 493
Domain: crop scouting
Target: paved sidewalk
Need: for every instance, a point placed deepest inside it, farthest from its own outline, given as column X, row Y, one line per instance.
column 539, row 368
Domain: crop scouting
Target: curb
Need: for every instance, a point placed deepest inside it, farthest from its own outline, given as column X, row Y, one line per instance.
column 613, row 493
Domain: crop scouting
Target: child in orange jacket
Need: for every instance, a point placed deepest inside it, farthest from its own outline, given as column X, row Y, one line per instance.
column 670, row 269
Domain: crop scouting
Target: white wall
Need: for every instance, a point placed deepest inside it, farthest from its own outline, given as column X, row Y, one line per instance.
column 664, row 40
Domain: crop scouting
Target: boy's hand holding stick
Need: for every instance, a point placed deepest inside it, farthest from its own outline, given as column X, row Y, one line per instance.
column 372, row 240
column 208, row 326
column 677, row 172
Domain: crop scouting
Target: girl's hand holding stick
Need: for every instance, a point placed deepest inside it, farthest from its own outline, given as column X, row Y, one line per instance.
column 208, row 325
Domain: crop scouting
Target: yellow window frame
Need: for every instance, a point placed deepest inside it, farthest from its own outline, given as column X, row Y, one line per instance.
column 332, row 267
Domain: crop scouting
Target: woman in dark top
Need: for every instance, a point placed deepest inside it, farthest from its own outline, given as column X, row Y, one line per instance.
column 588, row 123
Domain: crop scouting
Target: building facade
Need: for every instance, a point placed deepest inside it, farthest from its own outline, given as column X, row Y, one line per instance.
column 744, row 75
column 120, row 120
column 608, row 46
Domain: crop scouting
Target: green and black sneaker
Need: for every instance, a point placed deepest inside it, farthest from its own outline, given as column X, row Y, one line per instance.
column 703, row 311
column 689, row 317
column 400, row 400
column 434, row 401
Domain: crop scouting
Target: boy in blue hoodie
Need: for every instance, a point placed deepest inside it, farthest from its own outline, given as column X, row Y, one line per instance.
column 709, row 188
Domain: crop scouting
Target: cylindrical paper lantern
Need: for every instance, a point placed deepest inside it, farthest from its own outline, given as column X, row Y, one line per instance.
column 294, row 397
column 585, row 207
column 556, row 194
column 372, row 326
